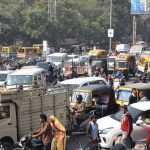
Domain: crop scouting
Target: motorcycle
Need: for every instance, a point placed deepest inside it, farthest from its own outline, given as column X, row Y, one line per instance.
column 28, row 143
column 81, row 124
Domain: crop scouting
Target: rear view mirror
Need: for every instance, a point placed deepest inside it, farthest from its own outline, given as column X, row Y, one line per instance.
column 5, row 83
column 139, row 122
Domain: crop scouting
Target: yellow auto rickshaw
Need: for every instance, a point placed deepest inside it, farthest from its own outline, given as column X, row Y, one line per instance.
column 92, row 94
column 126, row 63
column 123, row 93
column 98, row 53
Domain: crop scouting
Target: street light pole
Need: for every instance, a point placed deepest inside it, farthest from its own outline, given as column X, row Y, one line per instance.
column 110, row 23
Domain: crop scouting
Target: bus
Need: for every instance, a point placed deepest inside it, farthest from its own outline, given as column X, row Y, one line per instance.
column 38, row 48
column 8, row 52
column 26, row 52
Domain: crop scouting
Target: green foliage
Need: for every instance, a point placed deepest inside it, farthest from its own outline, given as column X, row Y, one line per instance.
column 84, row 20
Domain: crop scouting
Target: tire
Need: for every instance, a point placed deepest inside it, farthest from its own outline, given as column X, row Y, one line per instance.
column 7, row 146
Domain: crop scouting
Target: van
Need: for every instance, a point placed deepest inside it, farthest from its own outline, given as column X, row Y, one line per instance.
column 3, row 76
column 80, row 82
column 123, row 48
column 137, row 49
column 27, row 77
column 58, row 59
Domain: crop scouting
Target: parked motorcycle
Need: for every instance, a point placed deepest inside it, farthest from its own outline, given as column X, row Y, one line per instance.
column 28, row 143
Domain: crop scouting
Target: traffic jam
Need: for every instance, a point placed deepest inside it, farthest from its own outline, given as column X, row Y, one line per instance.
column 48, row 97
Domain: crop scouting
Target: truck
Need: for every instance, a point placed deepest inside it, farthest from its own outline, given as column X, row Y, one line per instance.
column 20, row 110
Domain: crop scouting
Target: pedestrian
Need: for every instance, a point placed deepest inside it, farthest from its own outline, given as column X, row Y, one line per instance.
column 111, row 80
column 45, row 132
column 126, row 127
column 59, row 132
column 50, row 73
column 92, row 129
column 143, row 97
column 133, row 97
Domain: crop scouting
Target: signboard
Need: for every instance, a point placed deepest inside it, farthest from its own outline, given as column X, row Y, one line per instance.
column 140, row 6
column 110, row 33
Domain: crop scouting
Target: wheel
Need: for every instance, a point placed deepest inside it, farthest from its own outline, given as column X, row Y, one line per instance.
column 7, row 146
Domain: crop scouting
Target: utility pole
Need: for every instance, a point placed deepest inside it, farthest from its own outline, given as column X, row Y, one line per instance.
column 110, row 23
column 49, row 9
column 52, row 5
column 134, row 30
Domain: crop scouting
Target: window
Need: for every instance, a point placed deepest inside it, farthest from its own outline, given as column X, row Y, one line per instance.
column 4, row 112
column 85, row 84
column 39, row 77
column 101, row 82
column 93, row 82
column 35, row 78
column 19, row 79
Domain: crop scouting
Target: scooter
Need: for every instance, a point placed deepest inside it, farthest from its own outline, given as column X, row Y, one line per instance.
column 28, row 143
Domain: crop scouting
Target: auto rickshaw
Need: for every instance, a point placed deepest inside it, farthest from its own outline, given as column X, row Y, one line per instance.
column 126, row 63
column 98, row 53
column 111, row 64
column 94, row 95
column 123, row 93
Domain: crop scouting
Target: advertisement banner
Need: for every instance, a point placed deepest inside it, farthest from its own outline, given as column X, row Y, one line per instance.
column 140, row 6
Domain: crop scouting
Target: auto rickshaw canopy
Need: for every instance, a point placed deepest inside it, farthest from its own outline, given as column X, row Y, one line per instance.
column 94, row 89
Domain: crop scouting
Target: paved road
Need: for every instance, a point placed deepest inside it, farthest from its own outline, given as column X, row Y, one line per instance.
column 82, row 139
column 73, row 142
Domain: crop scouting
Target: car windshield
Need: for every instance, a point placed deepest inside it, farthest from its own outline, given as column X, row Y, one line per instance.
column 43, row 65
column 19, row 79
column 135, row 113
column 54, row 59
column 122, row 64
column 3, row 77
column 84, row 59
column 86, row 96
column 111, row 59
column 123, row 95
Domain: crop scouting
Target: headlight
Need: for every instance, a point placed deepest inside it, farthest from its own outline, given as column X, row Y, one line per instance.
column 105, row 131
column 22, row 140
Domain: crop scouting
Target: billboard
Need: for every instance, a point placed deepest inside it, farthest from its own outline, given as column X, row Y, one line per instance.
column 140, row 6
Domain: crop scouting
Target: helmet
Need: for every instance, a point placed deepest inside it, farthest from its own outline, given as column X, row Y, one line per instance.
column 79, row 97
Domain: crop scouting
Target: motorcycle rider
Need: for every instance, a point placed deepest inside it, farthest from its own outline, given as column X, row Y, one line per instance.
column 118, row 75
column 45, row 132
column 78, row 110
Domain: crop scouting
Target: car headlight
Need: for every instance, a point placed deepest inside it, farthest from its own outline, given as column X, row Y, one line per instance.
column 105, row 131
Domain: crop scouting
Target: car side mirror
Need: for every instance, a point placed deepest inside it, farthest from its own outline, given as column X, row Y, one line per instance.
column 5, row 83
column 139, row 122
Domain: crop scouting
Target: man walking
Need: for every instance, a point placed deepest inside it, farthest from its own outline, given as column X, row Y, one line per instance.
column 126, row 127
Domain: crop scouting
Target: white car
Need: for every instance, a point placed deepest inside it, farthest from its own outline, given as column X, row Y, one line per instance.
column 123, row 48
column 109, row 126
